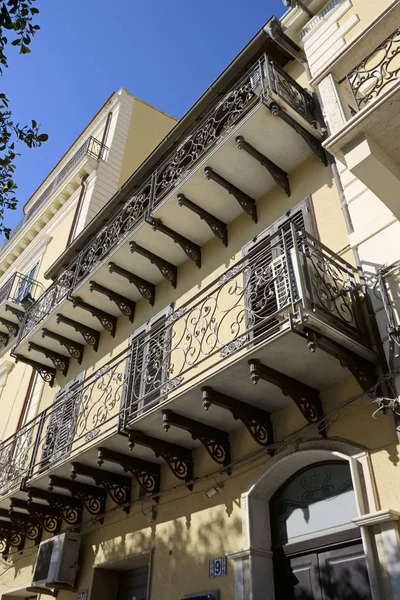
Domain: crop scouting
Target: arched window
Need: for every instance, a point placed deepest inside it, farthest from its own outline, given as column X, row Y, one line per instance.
column 315, row 501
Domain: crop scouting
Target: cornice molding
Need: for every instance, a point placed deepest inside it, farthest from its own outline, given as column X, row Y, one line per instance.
column 377, row 518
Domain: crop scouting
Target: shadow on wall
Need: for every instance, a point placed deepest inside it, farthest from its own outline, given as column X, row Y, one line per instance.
column 182, row 542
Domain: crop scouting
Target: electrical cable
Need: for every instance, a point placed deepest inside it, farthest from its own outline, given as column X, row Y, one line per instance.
column 294, row 438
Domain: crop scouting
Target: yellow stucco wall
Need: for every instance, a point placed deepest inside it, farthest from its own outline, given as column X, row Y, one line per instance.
column 367, row 11
column 190, row 528
column 147, row 127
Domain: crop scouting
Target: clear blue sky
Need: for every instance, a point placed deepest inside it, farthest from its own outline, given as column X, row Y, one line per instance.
column 166, row 52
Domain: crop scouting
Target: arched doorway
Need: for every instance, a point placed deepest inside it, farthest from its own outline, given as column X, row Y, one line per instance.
column 317, row 550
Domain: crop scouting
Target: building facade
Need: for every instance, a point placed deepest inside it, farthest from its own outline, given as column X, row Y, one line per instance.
column 199, row 328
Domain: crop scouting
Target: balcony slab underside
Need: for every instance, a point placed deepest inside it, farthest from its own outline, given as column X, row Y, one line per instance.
column 378, row 121
column 287, row 352
column 268, row 134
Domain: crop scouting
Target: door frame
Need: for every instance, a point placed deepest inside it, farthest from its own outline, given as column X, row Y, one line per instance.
column 253, row 566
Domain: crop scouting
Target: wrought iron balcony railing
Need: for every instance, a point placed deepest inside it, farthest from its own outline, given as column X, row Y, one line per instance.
column 18, row 288
column 284, row 277
column 91, row 147
column 376, row 72
column 262, row 81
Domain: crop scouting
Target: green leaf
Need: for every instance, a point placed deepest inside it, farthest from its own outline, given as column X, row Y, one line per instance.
column 43, row 137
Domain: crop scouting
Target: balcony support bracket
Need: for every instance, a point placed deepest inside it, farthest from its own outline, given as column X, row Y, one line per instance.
column 279, row 175
column 4, row 339
column 146, row 473
column 178, row 459
column 49, row 518
column 10, row 535
column 215, row 441
column 125, row 305
column 192, row 250
column 74, row 349
column 246, row 202
column 167, row 269
column 362, row 370
column 91, row 336
column 93, row 498
column 145, row 288
column 16, row 312
column 46, row 373
column 117, row 486
column 305, row 397
column 256, row 420
column 29, row 525
column 11, row 327
column 310, row 140
column 107, row 321
column 218, row 227
column 69, row 508
column 60, row 361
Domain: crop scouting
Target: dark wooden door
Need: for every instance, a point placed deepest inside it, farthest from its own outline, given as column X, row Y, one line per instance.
column 133, row 585
column 337, row 574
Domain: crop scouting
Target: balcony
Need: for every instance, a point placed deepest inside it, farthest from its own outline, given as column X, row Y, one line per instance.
column 288, row 317
column 368, row 90
column 16, row 296
column 84, row 161
column 250, row 141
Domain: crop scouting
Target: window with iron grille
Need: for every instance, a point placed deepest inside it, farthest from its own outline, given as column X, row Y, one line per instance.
column 61, row 427
column 148, row 364
column 271, row 272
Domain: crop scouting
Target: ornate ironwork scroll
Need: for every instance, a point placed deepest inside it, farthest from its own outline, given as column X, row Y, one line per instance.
column 107, row 321
column 48, row 517
column 279, row 175
column 69, row 508
column 117, row 486
column 146, row 473
column 60, row 361
column 4, row 339
column 47, row 302
column 219, row 229
column 305, row 397
column 146, row 289
column 312, row 142
column 125, row 305
column 257, row 421
column 91, row 336
column 377, row 72
column 11, row 327
column 247, row 203
column 74, row 349
column 192, row 250
column 46, row 373
column 179, row 459
column 11, row 536
column 93, row 498
column 167, row 270
column 215, row 441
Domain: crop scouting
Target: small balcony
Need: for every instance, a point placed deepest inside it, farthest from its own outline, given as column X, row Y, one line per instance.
column 16, row 297
column 368, row 88
column 249, row 141
column 274, row 329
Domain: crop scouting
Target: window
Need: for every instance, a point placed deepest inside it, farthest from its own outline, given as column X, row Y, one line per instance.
column 271, row 283
column 25, row 283
column 148, row 364
column 62, row 422
column 34, row 394
column 316, row 500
